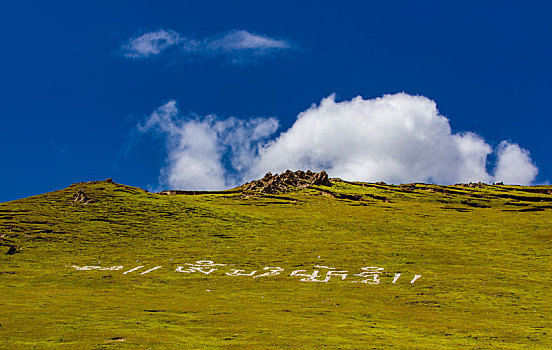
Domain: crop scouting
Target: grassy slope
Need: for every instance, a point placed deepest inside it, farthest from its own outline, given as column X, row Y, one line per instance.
column 483, row 253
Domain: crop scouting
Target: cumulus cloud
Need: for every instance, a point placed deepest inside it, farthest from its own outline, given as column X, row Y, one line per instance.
column 514, row 165
column 234, row 44
column 395, row 138
column 207, row 153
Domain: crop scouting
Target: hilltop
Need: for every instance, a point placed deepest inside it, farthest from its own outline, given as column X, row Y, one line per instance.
column 100, row 264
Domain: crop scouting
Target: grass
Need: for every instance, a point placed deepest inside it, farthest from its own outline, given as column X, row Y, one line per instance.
column 483, row 253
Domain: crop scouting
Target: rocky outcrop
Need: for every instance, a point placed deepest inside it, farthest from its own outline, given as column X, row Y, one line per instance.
column 286, row 181
column 81, row 197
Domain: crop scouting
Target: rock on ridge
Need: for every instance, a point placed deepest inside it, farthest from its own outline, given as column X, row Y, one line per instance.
column 81, row 197
column 284, row 182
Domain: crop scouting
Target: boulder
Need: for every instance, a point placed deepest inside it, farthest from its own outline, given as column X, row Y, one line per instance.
column 12, row 250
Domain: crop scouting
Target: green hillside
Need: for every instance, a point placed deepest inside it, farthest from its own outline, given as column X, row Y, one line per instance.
column 349, row 266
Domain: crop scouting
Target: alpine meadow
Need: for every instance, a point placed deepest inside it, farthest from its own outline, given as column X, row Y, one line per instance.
column 293, row 260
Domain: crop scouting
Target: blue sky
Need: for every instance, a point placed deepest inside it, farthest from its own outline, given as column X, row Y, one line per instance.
column 79, row 85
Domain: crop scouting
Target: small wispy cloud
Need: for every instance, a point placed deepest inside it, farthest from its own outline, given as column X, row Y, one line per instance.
column 235, row 44
column 241, row 40
column 150, row 44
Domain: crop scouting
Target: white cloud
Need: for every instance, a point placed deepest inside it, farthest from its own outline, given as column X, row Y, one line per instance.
column 150, row 44
column 514, row 165
column 395, row 138
column 240, row 40
column 207, row 154
column 235, row 44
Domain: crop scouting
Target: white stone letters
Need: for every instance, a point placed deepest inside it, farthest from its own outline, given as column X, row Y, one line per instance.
column 319, row 274
column 273, row 271
column 415, row 278
column 236, row 272
column 203, row 266
column 372, row 273
column 88, row 268
column 397, row 275
column 313, row 277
